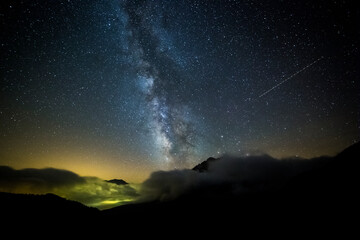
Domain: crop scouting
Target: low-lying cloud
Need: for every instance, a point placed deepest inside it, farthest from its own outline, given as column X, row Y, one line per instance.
column 231, row 175
column 90, row 191
column 234, row 174
column 36, row 180
column 168, row 185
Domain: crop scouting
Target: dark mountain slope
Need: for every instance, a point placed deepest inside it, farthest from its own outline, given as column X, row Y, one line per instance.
column 47, row 210
column 321, row 199
column 204, row 166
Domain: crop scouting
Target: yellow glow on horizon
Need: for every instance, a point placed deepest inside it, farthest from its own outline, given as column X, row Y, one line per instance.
column 83, row 164
column 110, row 202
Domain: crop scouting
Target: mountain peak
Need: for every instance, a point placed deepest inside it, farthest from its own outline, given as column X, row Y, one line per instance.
column 117, row 181
column 204, row 166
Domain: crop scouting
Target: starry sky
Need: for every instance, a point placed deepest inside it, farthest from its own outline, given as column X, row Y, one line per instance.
column 118, row 89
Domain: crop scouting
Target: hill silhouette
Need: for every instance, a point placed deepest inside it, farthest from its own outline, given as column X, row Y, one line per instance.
column 43, row 206
column 204, row 166
column 321, row 199
column 117, row 181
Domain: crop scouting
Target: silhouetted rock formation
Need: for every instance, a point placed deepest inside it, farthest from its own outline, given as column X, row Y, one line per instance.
column 117, row 181
column 204, row 166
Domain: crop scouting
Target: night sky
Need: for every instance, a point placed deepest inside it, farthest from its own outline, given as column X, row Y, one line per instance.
column 119, row 89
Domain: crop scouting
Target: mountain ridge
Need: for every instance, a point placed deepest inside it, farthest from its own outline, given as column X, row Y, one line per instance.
column 319, row 197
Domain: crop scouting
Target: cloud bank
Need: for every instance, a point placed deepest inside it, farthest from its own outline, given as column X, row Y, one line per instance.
column 231, row 175
column 224, row 176
column 90, row 191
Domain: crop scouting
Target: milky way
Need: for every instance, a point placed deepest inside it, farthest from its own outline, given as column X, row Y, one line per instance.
column 117, row 87
column 169, row 120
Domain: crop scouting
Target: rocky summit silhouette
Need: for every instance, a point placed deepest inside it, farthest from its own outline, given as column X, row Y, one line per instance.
column 204, row 166
column 117, row 181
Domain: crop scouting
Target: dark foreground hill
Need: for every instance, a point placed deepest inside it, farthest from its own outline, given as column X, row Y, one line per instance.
column 26, row 208
column 322, row 200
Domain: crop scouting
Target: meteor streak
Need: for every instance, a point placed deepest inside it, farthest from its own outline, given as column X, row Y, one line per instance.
column 293, row 75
